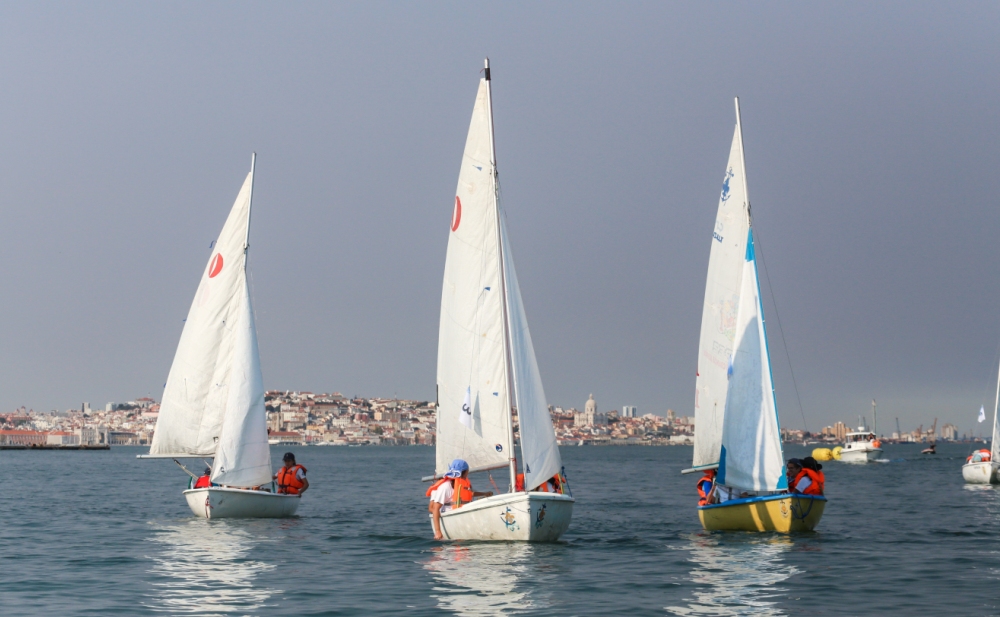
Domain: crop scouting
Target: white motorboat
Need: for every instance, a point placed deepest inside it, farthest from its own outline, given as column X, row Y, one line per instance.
column 213, row 401
column 487, row 369
column 861, row 446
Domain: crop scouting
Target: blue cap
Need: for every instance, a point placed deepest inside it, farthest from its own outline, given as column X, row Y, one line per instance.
column 456, row 468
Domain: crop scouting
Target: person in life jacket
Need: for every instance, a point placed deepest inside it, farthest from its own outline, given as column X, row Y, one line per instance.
column 450, row 492
column 803, row 480
column 291, row 478
column 552, row 485
column 705, row 487
column 205, row 480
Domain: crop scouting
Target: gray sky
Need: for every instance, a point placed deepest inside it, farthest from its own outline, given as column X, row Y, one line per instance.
column 872, row 153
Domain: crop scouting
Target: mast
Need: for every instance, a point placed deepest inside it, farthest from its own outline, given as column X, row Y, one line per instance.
column 743, row 160
column 246, row 239
column 874, row 419
column 511, row 400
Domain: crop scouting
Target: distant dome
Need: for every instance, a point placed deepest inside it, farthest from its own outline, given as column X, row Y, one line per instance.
column 591, row 404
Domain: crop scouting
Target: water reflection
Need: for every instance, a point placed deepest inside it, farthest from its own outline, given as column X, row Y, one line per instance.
column 736, row 574
column 203, row 569
column 482, row 579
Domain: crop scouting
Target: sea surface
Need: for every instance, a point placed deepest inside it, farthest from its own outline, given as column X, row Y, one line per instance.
column 101, row 533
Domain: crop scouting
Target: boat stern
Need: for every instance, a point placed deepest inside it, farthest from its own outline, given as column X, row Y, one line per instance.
column 525, row 517
column 220, row 502
column 980, row 473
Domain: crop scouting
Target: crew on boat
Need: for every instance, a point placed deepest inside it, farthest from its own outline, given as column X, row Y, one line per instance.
column 291, row 478
column 979, row 456
column 205, row 480
column 805, row 476
column 705, row 496
column 552, row 485
column 451, row 491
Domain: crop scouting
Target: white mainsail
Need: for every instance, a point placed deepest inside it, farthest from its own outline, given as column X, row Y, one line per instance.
column 751, row 457
column 539, row 450
column 471, row 339
column 243, row 458
column 197, row 388
column 995, row 442
column 718, row 321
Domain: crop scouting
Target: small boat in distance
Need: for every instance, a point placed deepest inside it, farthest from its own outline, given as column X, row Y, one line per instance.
column 861, row 446
column 213, row 401
column 486, row 364
column 736, row 415
column 981, row 466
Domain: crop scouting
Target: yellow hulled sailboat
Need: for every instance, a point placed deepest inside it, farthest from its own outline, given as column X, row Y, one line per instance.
column 736, row 416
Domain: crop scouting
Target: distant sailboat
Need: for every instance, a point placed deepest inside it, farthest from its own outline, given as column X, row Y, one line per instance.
column 736, row 416
column 486, row 363
column 213, row 402
column 981, row 466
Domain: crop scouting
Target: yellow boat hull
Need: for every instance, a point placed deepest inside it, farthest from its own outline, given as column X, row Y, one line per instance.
column 781, row 513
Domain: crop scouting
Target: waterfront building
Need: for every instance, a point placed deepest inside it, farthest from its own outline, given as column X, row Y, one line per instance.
column 629, row 411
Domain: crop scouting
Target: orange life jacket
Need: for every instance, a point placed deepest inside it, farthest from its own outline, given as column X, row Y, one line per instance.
column 203, row 482
column 463, row 492
column 435, row 486
column 816, row 481
column 288, row 481
column 702, row 493
column 544, row 488
column 984, row 456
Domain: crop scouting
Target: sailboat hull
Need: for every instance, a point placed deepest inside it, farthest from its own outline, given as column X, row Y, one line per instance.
column 525, row 517
column 219, row 502
column 782, row 513
column 980, row 473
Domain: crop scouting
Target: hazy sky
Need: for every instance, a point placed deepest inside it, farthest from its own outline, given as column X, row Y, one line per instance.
column 872, row 149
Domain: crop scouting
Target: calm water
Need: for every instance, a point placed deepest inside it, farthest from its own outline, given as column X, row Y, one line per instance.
column 101, row 533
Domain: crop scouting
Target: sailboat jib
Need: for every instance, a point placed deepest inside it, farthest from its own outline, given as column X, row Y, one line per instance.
column 751, row 457
column 540, row 458
column 196, row 391
column 243, row 458
column 471, row 354
column 718, row 321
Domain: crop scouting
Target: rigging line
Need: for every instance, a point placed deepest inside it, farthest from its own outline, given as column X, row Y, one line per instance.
column 781, row 331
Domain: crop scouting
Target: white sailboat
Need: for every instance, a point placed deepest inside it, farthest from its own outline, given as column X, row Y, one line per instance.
column 213, row 401
column 486, row 363
column 981, row 466
column 736, row 415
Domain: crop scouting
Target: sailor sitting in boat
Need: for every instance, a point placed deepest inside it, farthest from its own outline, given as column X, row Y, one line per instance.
column 805, row 476
column 291, row 478
column 552, row 485
column 205, row 480
column 444, row 495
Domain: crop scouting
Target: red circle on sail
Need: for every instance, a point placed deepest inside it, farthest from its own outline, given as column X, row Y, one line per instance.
column 457, row 218
column 216, row 266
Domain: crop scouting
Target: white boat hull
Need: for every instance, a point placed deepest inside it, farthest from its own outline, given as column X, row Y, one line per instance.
column 525, row 517
column 860, row 455
column 219, row 502
column 980, row 473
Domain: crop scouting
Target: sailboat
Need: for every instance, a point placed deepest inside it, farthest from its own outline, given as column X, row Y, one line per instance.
column 486, row 363
column 981, row 466
column 213, row 401
column 736, row 415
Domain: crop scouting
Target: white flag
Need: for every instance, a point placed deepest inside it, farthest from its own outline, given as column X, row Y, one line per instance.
column 466, row 417
column 982, row 414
